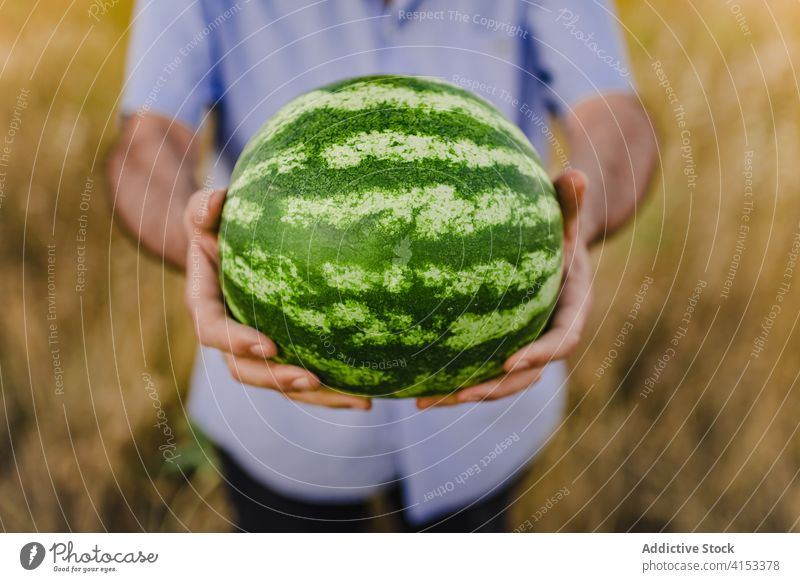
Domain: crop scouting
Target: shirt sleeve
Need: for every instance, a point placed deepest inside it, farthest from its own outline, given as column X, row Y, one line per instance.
column 169, row 61
column 581, row 50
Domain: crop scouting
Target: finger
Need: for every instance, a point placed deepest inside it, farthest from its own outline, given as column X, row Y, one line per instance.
column 571, row 187
column 568, row 322
column 433, row 401
column 201, row 221
column 493, row 389
column 212, row 325
column 331, row 399
column 500, row 387
column 203, row 210
column 210, row 245
column 265, row 374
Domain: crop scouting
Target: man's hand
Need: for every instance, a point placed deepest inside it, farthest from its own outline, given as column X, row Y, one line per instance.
column 246, row 351
column 525, row 366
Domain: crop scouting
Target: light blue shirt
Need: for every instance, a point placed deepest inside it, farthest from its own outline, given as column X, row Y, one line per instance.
column 245, row 59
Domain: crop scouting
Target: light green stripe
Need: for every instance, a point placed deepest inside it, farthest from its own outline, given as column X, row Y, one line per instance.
column 499, row 275
column 470, row 330
column 363, row 96
column 270, row 278
column 393, row 145
column 241, row 211
column 276, row 282
column 434, row 210
column 284, row 161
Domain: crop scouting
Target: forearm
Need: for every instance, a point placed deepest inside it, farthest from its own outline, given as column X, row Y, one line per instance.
column 152, row 176
column 612, row 141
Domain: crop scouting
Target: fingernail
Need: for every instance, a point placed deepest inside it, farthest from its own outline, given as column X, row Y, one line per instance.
column 471, row 398
column 303, row 383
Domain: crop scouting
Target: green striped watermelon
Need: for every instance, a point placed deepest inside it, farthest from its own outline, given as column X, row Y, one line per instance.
column 395, row 235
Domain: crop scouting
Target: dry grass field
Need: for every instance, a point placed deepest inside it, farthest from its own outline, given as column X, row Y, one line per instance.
column 684, row 397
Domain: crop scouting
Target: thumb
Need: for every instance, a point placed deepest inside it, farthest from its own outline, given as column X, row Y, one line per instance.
column 204, row 209
column 571, row 187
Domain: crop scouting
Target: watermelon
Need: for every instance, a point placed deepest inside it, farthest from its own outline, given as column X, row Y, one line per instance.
column 395, row 235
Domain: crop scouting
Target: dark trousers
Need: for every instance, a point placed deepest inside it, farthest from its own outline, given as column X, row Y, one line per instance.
column 260, row 509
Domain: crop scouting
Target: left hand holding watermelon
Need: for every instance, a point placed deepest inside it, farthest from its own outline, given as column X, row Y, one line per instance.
column 525, row 366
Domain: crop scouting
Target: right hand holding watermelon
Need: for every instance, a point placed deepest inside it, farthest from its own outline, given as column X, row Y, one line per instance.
column 246, row 350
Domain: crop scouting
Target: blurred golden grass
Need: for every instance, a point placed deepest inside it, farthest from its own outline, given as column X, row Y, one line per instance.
column 714, row 446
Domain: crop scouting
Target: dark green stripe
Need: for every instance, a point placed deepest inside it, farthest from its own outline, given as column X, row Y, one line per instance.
column 321, row 128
